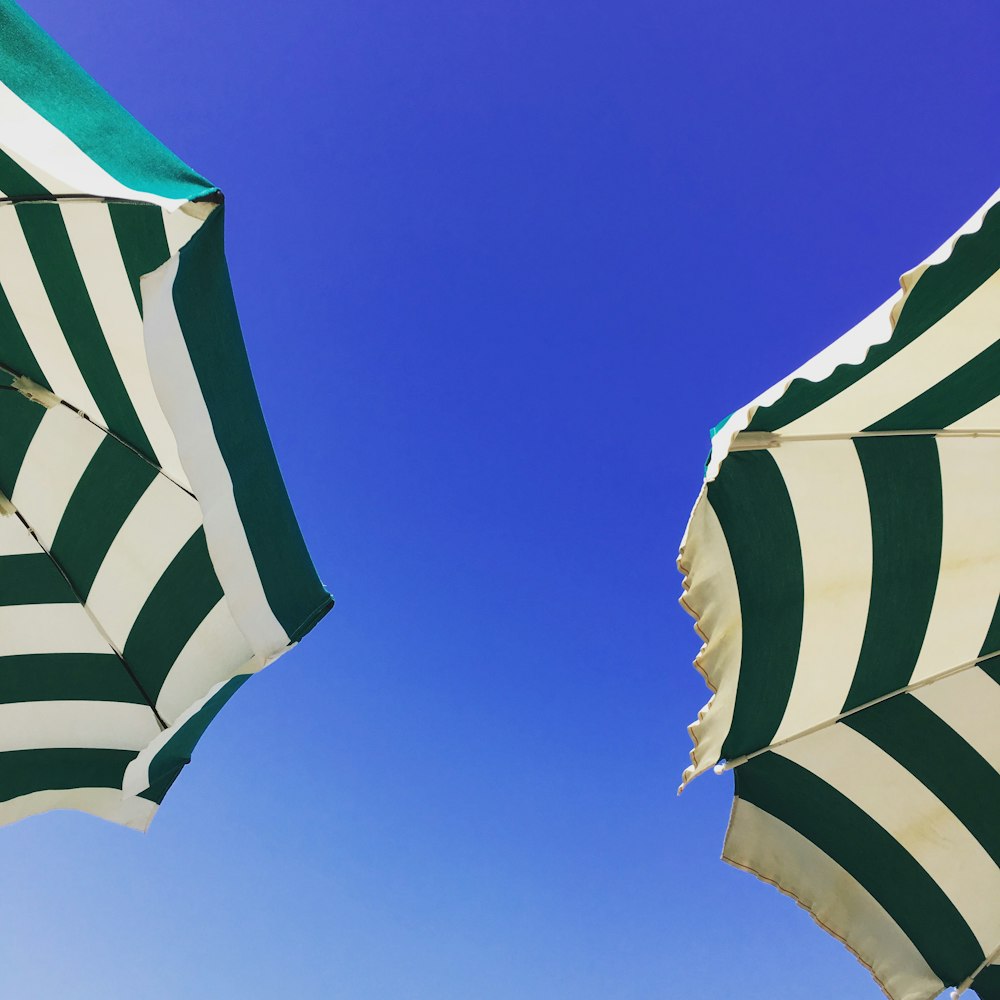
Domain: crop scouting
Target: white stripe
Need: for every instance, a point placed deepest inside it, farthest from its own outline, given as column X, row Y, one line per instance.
column 969, row 703
column 48, row 628
column 154, row 531
column 913, row 816
column 826, row 485
column 33, row 140
column 33, row 312
column 216, row 651
column 181, row 226
column 57, row 457
column 15, row 539
column 105, row 803
column 714, row 599
column 180, row 395
column 775, row 852
column 97, row 725
column 969, row 578
column 957, row 338
column 92, row 235
column 986, row 417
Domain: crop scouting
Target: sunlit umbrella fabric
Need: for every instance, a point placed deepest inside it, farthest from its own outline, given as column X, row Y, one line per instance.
column 149, row 557
column 843, row 565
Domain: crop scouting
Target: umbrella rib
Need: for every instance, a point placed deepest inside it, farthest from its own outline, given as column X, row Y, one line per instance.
column 27, row 199
column 93, row 618
column 21, row 381
column 944, row 675
column 23, row 199
column 967, row 982
column 762, row 440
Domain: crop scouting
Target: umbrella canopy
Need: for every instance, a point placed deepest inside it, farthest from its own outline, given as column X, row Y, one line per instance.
column 843, row 565
column 149, row 558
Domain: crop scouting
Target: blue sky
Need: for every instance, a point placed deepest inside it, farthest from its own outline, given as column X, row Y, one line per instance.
column 500, row 266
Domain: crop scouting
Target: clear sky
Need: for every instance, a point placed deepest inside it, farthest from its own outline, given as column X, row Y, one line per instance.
column 500, row 266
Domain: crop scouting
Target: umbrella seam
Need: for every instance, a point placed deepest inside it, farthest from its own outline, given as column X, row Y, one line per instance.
column 90, row 614
column 943, row 675
column 106, row 430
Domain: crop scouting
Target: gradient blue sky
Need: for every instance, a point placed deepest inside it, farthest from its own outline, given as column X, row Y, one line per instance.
column 500, row 266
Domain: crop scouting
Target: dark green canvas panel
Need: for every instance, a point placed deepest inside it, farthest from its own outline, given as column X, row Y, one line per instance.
column 109, row 488
column 167, row 764
column 870, row 855
column 32, row 579
column 903, row 479
column 19, row 418
column 16, row 182
column 142, row 241
column 941, row 760
column 66, row 677
column 50, row 246
column 754, row 509
column 157, row 790
column 16, row 355
column 46, row 78
column 987, row 983
column 991, row 644
column 206, row 310
column 943, row 286
column 180, row 601
column 26, row 771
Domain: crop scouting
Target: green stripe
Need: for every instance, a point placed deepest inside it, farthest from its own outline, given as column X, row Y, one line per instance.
column 167, row 764
column 15, row 181
column 66, row 677
column 112, row 484
column 15, row 352
column 57, row 266
column 954, row 397
column 903, row 478
column 177, row 605
column 32, row 579
column 142, row 241
column 987, row 983
column 19, row 418
column 203, row 298
column 870, row 855
column 941, row 287
column 26, row 771
column 941, row 760
column 991, row 644
column 46, row 78
column 754, row 509
column 158, row 790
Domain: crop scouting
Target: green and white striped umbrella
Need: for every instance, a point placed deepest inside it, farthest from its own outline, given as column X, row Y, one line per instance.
column 149, row 558
column 843, row 565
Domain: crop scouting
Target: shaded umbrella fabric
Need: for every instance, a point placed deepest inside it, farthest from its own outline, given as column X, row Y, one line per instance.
column 150, row 560
column 842, row 563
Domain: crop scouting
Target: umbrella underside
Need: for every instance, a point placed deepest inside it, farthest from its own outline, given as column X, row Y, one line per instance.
column 843, row 565
column 149, row 558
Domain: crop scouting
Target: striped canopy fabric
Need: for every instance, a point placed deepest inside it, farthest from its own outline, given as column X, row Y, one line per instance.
column 842, row 563
column 149, row 558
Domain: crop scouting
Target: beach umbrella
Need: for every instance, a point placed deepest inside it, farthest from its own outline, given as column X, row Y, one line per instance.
column 842, row 563
column 149, row 557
